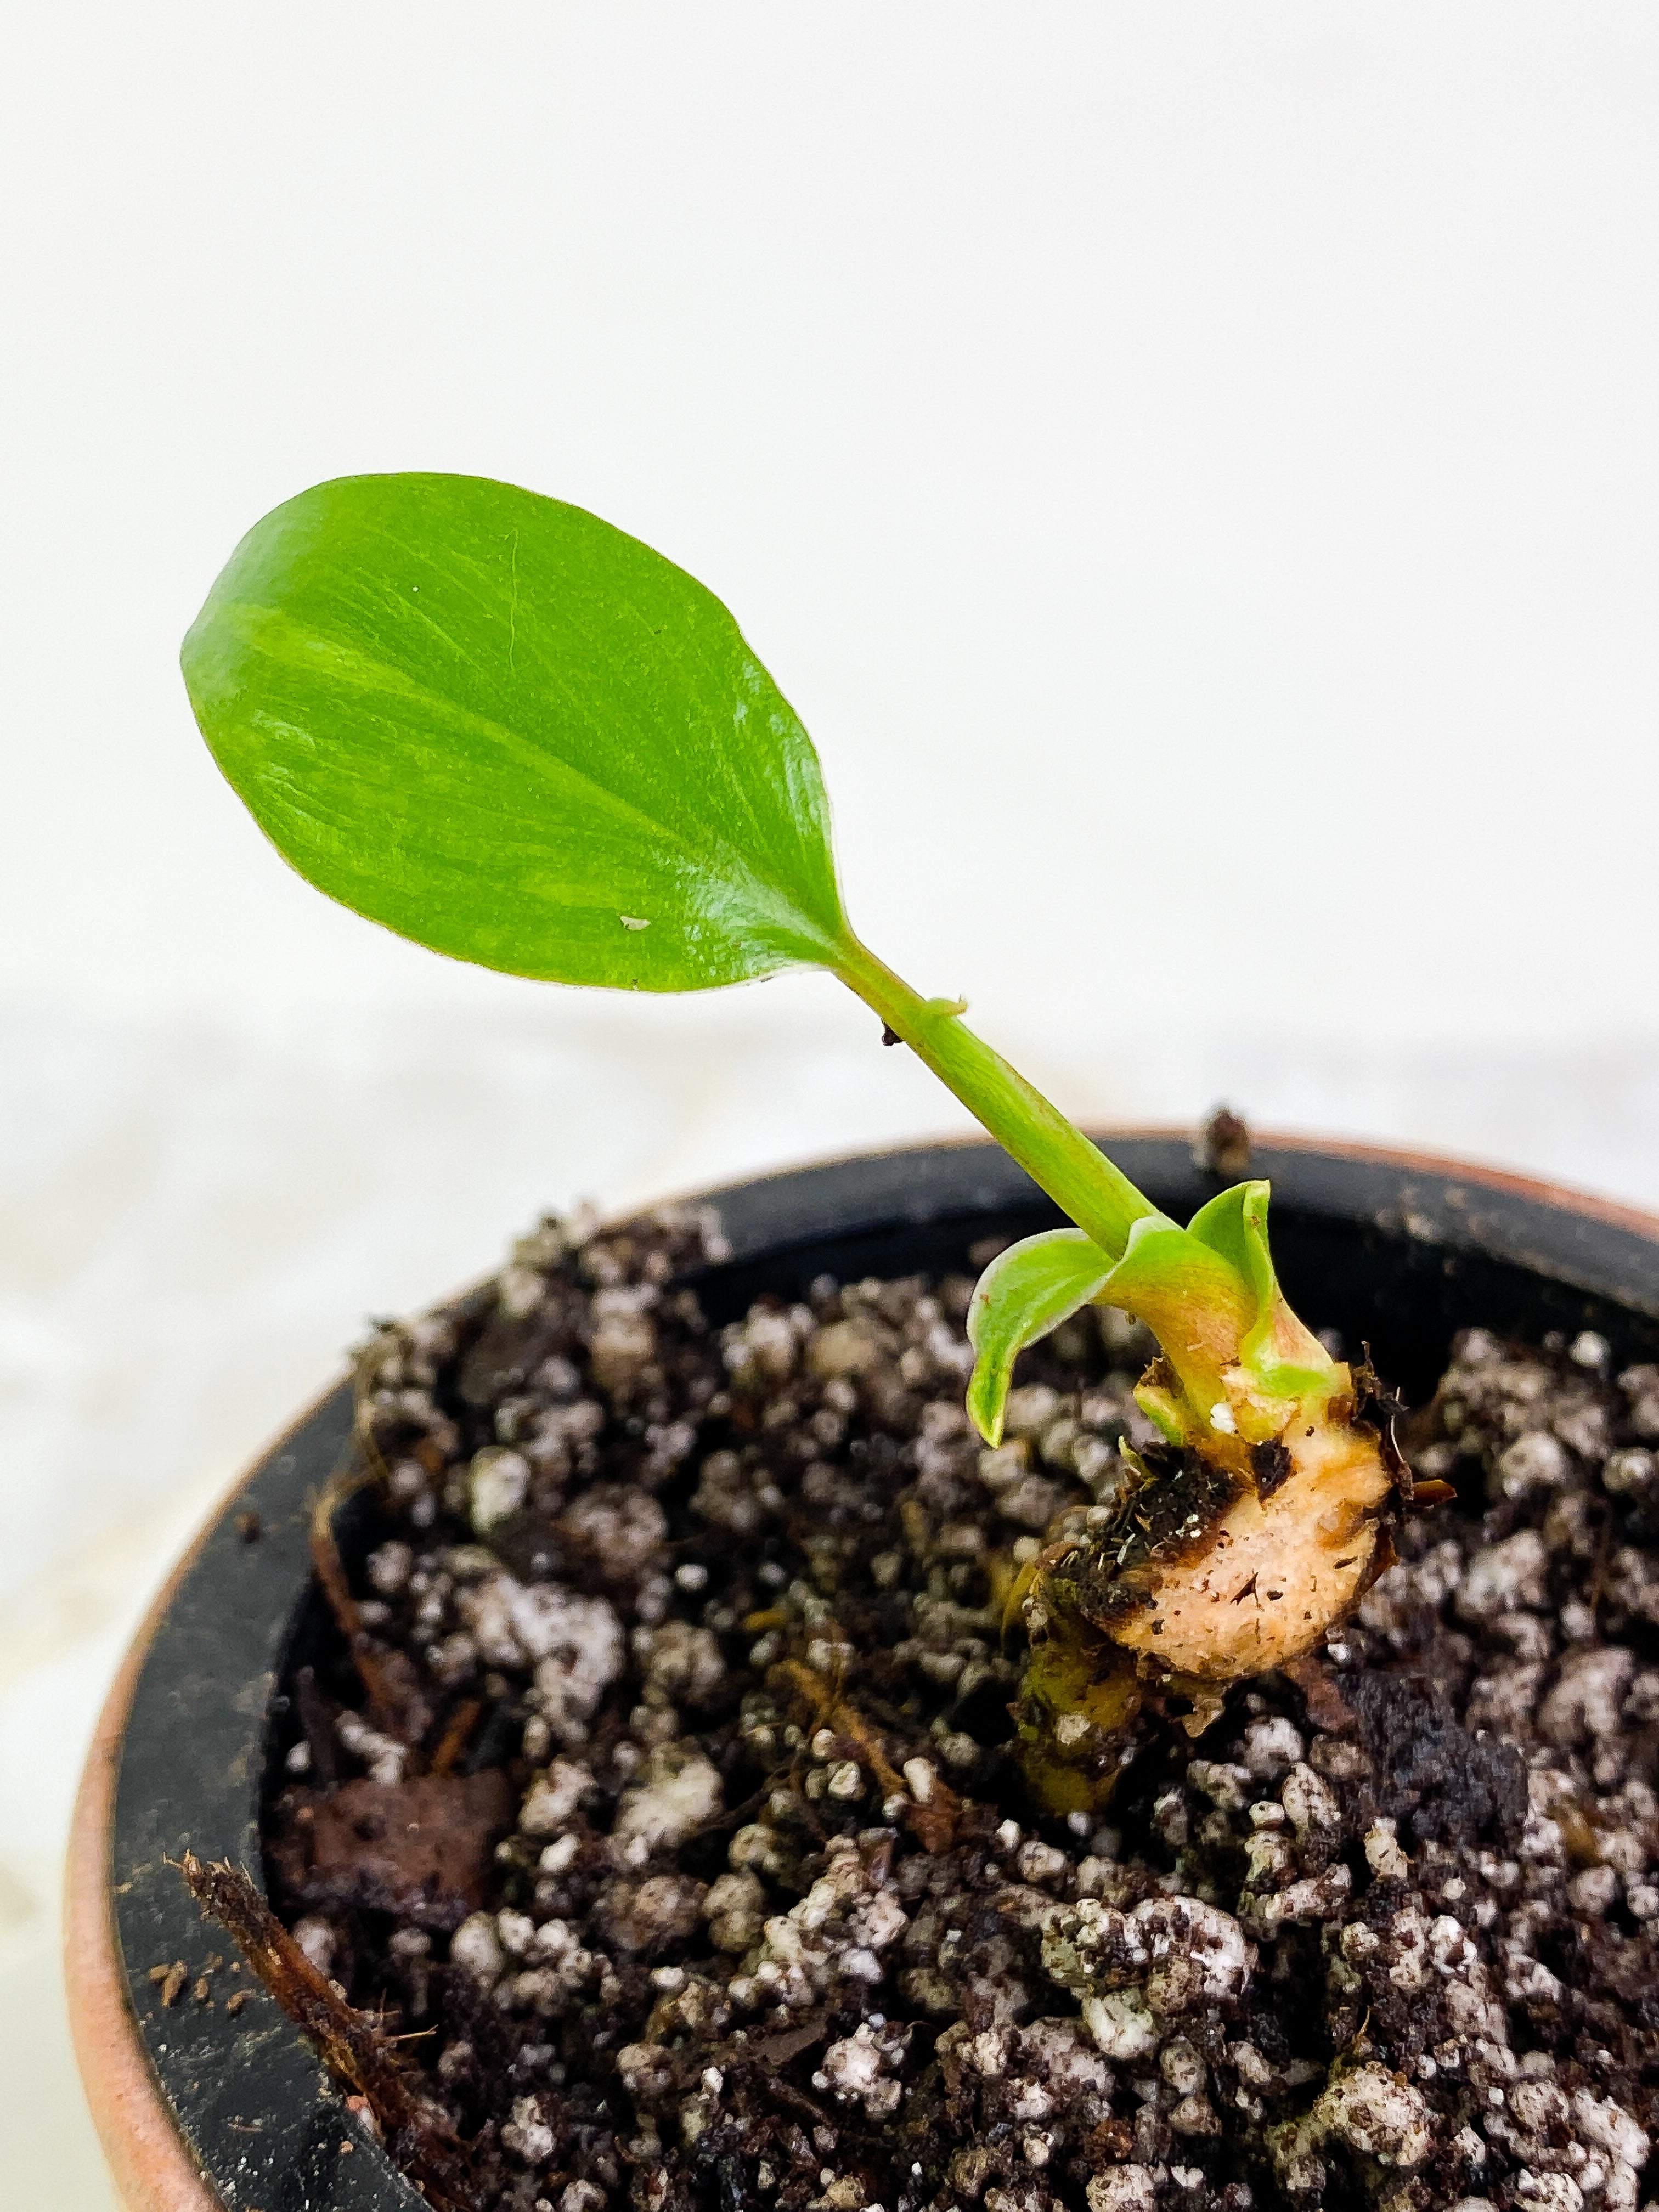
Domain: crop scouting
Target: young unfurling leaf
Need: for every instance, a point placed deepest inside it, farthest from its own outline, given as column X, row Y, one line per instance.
column 1024, row 1293
column 1238, row 1359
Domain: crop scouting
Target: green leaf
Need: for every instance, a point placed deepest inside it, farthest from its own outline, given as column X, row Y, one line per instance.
column 505, row 729
column 1235, row 1224
column 1025, row 1292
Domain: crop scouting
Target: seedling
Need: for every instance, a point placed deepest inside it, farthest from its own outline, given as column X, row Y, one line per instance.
column 509, row 732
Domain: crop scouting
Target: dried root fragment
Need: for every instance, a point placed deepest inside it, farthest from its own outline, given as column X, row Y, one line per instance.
column 354, row 2046
column 932, row 1817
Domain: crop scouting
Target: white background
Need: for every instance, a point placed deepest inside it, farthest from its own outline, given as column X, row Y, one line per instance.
column 1195, row 470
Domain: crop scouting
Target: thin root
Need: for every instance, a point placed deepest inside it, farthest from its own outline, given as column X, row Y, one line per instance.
column 935, row 1822
column 330, row 1573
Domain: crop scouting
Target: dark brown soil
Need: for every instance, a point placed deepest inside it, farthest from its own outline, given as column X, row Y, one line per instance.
column 680, row 1821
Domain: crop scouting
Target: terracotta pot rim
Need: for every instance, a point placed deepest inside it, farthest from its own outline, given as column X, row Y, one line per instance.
column 151, row 2168
column 148, row 2158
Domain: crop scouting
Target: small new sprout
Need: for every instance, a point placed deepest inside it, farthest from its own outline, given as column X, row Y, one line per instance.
column 1237, row 1543
column 502, row 728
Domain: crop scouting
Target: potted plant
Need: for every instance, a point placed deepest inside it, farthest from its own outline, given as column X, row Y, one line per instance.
column 761, row 1754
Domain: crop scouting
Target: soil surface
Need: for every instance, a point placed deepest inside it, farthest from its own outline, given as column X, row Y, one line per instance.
column 666, row 1801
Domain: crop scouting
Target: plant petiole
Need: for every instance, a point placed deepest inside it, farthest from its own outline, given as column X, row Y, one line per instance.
column 1079, row 1178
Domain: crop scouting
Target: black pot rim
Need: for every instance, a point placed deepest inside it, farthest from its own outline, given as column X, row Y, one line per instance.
column 243, row 2095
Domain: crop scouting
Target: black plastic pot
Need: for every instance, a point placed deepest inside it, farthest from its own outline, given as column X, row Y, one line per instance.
column 200, row 2108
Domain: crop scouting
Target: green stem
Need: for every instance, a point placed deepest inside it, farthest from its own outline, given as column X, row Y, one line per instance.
column 1082, row 1181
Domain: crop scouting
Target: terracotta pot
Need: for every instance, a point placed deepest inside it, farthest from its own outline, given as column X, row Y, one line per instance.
column 200, row 2107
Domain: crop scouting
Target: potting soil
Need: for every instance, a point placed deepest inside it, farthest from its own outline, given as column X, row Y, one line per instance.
column 668, row 1804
